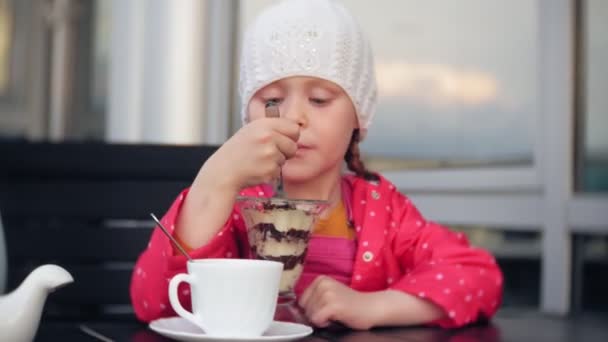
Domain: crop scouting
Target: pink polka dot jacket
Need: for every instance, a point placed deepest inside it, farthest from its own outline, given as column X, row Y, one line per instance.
column 396, row 248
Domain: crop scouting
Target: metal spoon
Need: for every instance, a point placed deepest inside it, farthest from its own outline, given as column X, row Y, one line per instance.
column 181, row 249
column 272, row 111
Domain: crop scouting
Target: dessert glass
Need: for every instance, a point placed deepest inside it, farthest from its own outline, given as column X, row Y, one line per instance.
column 279, row 229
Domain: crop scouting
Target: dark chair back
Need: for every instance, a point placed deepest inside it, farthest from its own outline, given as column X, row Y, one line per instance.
column 85, row 207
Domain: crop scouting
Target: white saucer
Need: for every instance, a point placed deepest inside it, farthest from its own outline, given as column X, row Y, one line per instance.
column 182, row 330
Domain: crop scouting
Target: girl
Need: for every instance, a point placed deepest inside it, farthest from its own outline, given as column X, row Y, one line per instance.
column 373, row 259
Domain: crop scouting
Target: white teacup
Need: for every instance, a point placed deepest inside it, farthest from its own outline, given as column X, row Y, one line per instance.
column 230, row 297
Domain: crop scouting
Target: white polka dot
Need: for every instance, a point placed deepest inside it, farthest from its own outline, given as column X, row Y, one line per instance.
column 372, row 213
column 468, row 298
column 447, row 291
column 413, row 281
column 149, row 245
column 421, row 295
column 220, row 233
column 363, row 202
column 459, row 236
column 358, row 277
column 138, row 271
column 482, row 271
column 480, row 293
column 236, row 217
column 452, row 314
column 181, row 197
column 391, row 187
column 172, row 227
column 389, row 280
column 393, row 224
column 186, row 292
column 377, row 263
column 261, row 193
column 358, row 229
column 461, row 282
column 425, row 245
column 432, row 263
column 419, row 223
column 385, row 232
column 164, row 254
column 365, row 243
column 439, row 276
column 145, row 304
column 388, row 208
column 229, row 255
column 163, row 306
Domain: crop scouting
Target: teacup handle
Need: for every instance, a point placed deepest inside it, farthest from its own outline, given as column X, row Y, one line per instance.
column 174, row 299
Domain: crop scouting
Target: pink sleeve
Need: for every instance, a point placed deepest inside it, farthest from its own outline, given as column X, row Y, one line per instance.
column 159, row 263
column 441, row 266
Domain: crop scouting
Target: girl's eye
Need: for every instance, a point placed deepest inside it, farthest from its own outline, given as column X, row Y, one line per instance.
column 272, row 101
column 318, row 101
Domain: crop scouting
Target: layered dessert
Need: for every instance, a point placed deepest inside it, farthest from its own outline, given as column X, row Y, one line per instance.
column 279, row 230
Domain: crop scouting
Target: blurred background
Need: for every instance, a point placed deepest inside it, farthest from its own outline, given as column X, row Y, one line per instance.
column 492, row 116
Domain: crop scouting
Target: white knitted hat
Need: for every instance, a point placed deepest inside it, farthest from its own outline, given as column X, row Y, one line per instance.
column 317, row 38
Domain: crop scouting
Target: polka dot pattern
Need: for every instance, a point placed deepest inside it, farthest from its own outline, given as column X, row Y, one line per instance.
column 399, row 249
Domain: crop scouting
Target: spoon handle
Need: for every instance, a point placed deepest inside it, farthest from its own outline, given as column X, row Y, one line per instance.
column 272, row 111
column 175, row 243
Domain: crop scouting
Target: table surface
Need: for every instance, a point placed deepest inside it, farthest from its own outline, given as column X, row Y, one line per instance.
column 509, row 325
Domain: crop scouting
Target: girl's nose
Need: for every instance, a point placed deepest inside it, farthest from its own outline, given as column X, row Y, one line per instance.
column 297, row 113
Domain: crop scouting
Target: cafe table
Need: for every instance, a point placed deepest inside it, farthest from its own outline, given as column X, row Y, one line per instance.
column 508, row 325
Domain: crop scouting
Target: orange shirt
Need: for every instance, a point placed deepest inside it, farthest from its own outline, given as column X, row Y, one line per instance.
column 335, row 225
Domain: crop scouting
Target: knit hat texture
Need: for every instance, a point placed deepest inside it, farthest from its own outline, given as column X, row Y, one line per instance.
column 316, row 38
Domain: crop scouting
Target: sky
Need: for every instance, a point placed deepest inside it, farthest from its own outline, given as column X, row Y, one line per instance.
column 458, row 79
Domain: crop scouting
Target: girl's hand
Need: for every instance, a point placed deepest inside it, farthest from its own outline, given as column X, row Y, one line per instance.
column 327, row 300
column 254, row 155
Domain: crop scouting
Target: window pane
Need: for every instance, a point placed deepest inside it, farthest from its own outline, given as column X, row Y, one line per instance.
column 591, row 261
column 457, row 80
column 6, row 26
column 100, row 55
column 92, row 62
column 595, row 168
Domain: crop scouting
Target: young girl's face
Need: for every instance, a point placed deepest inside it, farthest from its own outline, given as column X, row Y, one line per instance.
column 326, row 116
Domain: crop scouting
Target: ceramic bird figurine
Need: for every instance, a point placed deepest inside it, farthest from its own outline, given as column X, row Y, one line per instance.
column 21, row 309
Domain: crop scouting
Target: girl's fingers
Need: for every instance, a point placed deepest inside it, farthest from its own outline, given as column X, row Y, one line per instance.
column 285, row 127
column 322, row 317
column 285, row 145
column 309, row 292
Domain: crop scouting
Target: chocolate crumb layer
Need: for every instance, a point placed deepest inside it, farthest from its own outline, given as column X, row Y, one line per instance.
column 282, row 206
column 291, row 234
column 288, row 261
